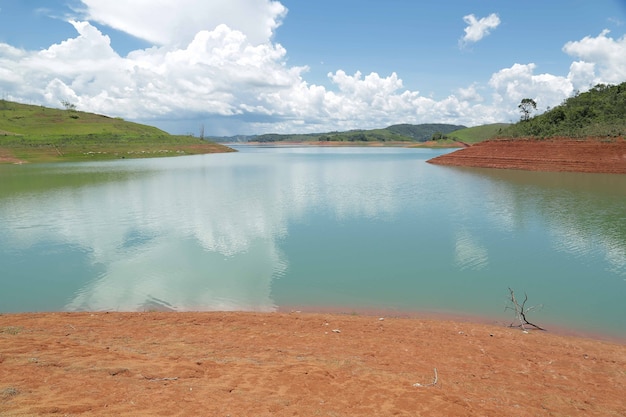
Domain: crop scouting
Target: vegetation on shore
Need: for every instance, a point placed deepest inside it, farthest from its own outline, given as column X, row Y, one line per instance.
column 40, row 134
column 599, row 112
column 477, row 134
column 402, row 133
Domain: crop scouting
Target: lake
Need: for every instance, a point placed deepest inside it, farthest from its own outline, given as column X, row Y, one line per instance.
column 326, row 229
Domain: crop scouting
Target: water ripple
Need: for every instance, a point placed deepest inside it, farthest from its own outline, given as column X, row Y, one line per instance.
column 469, row 253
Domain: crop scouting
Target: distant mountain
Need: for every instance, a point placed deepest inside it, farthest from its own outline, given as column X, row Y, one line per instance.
column 395, row 133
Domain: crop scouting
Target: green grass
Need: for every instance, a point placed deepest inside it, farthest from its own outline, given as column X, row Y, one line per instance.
column 477, row 134
column 41, row 134
column 424, row 132
column 42, row 122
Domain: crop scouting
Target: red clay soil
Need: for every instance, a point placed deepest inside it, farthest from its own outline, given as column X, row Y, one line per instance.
column 554, row 154
column 282, row 364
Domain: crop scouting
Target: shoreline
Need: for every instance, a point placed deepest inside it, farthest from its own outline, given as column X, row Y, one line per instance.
column 458, row 317
column 501, row 322
column 556, row 154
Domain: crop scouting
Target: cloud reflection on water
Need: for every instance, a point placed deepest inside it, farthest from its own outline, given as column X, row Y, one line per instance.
column 209, row 232
column 182, row 238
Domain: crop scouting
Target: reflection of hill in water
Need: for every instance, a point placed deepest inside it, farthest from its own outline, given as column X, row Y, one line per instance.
column 41, row 178
column 584, row 212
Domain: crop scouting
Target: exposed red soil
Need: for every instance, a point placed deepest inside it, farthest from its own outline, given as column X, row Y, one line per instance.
column 554, row 154
column 7, row 157
column 281, row 364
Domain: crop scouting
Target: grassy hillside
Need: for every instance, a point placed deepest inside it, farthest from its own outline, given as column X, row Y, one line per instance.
column 37, row 134
column 477, row 134
column 424, row 132
column 600, row 112
column 41, row 122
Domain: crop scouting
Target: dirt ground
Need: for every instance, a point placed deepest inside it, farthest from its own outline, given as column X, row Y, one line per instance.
column 555, row 154
column 299, row 364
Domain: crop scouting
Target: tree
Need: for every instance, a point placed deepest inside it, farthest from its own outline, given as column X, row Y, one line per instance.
column 438, row 136
column 527, row 106
column 68, row 105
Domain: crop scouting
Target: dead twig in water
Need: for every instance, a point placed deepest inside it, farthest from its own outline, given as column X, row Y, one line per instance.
column 521, row 310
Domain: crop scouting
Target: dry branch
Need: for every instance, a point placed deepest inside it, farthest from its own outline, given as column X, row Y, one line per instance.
column 521, row 310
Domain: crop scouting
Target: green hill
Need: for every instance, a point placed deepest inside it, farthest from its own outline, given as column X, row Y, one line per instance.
column 43, row 122
column 477, row 134
column 424, row 132
column 600, row 112
column 36, row 133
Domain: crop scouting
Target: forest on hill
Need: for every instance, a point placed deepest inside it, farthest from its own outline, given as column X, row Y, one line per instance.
column 599, row 112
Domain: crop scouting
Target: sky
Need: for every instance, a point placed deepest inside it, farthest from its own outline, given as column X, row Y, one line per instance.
column 241, row 67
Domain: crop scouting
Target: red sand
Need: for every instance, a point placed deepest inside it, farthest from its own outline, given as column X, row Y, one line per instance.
column 279, row 364
column 555, row 154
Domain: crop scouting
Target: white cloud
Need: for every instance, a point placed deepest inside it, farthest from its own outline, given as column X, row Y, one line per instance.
column 519, row 81
column 469, row 94
column 582, row 75
column 607, row 55
column 218, row 72
column 235, row 84
column 478, row 28
column 166, row 22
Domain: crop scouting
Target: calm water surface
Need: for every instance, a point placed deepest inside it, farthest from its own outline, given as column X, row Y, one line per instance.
column 348, row 229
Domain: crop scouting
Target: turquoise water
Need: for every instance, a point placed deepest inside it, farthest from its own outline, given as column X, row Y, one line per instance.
column 347, row 229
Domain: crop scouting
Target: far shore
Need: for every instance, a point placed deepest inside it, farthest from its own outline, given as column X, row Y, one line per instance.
column 398, row 144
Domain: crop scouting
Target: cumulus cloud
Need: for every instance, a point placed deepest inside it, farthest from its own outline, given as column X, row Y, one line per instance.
column 511, row 85
column 166, row 22
column 607, row 55
column 478, row 28
column 240, row 82
column 601, row 60
column 218, row 72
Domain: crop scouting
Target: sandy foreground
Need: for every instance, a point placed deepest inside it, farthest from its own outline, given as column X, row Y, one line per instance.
column 298, row 364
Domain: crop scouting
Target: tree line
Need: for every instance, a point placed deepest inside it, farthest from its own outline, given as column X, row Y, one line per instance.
column 599, row 112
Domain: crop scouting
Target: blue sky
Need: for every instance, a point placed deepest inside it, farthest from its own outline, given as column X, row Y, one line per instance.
column 258, row 66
